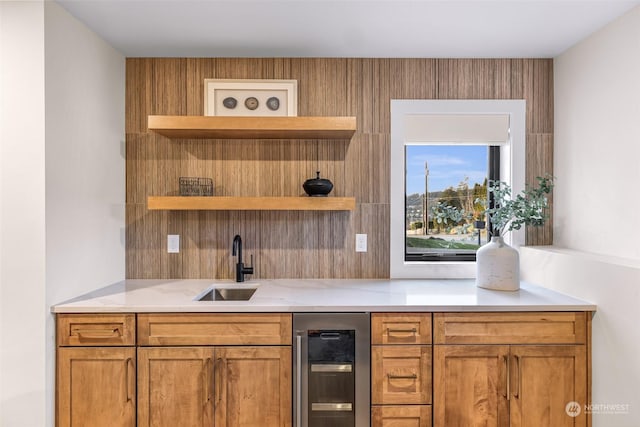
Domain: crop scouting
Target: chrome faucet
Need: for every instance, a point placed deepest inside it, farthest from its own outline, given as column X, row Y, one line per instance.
column 241, row 270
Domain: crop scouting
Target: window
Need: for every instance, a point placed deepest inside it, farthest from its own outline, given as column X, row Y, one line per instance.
column 445, row 196
column 447, row 150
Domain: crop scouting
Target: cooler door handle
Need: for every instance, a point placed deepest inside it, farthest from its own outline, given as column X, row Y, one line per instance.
column 298, row 380
column 346, row 367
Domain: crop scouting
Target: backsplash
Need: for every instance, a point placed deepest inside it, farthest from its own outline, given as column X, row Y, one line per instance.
column 298, row 244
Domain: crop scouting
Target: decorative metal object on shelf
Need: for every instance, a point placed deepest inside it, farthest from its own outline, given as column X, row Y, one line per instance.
column 273, row 103
column 230, row 102
column 317, row 187
column 192, row 186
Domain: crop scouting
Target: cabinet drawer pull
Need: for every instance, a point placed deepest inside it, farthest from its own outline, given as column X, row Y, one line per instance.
column 402, row 331
column 97, row 333
column 402, row 377
column 208, row 381
column 219, row 367
column 505, row 359
column 518, row 370
column 127, row 382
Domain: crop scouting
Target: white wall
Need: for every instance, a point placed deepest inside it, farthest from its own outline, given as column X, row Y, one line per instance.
column 85, row 165
column 597, row 141
column 22, row 215
column 614, row 286
column 596, row 253
column 62, row 189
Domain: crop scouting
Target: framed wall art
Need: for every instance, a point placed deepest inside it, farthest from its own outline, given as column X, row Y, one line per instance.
column 248, row 97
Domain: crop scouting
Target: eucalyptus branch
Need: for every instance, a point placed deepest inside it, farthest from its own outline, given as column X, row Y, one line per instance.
column 530, row 207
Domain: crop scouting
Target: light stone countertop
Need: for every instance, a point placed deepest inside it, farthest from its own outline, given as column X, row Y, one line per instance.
column 320, row 295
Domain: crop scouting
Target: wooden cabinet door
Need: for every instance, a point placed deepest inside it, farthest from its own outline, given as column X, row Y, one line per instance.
column 253, row 387
column 470, row 386
column 401, row 374
column 96, row 387
column 175, row 386
column 401, row 416
column 544, row 382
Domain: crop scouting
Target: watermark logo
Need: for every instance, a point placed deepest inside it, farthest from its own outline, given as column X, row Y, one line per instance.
column 573, row 409
column 607, row 408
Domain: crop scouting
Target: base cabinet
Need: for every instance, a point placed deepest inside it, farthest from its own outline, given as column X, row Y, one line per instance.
column 401, row 369
column 207, row 386
column 209, row 370
column 502, row 386
column 486, row 374
column 234, row 370
column 95, row 370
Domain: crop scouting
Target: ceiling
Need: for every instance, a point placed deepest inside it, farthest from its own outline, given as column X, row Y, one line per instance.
column 346, row 28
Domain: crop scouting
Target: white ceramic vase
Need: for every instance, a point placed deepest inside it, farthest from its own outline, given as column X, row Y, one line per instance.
column 498, row 266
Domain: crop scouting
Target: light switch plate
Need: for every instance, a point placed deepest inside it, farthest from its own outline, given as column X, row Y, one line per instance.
column 361, row 243
column 173, row 243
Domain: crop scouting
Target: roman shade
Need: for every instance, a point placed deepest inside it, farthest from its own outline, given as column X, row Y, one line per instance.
column 486, row 129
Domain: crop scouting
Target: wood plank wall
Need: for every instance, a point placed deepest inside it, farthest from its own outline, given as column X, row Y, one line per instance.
column 299, row 244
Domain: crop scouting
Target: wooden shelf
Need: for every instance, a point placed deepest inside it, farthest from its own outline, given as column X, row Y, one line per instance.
column 252, row 203
column 189, row 127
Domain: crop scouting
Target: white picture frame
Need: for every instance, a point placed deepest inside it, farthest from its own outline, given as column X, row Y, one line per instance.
column 253, row 97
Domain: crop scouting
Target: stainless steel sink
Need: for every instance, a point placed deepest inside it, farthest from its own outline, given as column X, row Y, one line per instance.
column 228, row 294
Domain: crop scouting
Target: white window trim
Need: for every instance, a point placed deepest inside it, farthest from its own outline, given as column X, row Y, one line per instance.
column 512, row 171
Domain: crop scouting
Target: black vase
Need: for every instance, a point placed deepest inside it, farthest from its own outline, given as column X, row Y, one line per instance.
column 317, row 187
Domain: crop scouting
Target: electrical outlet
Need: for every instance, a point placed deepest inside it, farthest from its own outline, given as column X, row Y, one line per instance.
column 173, row 243
column 361, row 243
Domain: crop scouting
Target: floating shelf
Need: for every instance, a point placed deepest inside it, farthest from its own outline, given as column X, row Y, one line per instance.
column 252, row 203
column 188, row 127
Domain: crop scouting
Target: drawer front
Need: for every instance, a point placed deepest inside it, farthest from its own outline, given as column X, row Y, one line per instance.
column 214, row 329
column 401, row 374
column 401, row 416
column 510, row 328
column 405, row 328
column 89, row 330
